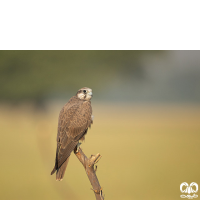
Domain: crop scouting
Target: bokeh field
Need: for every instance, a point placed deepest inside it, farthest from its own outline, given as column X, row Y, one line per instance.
column 147, row 152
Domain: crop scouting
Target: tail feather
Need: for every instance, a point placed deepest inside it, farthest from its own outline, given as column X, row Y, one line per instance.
column 53, row 171
column 61, row 171
column 62, row 159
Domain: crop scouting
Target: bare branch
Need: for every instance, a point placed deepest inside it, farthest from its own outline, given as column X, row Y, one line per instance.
column 88, row 164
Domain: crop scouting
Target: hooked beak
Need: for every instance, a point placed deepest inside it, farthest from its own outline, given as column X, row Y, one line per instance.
column 90, row 93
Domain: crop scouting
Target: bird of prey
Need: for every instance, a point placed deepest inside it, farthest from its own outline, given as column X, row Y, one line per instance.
column 74, row 120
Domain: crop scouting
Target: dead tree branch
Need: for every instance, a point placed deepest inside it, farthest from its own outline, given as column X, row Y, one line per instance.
column 88, row 164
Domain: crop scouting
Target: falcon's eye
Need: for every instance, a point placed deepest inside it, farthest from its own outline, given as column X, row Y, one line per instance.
column 84, row 91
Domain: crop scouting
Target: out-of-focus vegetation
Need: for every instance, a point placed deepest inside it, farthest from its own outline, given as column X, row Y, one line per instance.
column 38, row 75
column 147, row 152
column 131, row 76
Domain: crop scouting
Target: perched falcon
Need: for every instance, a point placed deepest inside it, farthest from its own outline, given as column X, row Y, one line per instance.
column 73, row 122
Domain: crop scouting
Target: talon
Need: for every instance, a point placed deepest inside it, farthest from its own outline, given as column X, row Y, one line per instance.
column 78, row 146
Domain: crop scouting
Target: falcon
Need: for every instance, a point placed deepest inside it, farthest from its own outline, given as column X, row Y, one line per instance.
column 74, row 120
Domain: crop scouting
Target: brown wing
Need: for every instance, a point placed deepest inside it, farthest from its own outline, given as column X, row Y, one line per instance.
column 74, row 120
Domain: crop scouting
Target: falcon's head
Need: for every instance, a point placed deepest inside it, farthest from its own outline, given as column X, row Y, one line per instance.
column 84, row 93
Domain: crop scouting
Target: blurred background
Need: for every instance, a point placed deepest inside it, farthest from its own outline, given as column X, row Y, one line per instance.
column 146, row 107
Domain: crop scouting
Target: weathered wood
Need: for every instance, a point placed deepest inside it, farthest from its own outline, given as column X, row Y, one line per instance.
column 88, row 164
